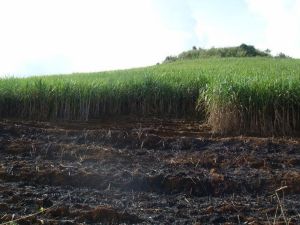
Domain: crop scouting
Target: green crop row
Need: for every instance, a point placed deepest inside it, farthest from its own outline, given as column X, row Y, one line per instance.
column 239, row 95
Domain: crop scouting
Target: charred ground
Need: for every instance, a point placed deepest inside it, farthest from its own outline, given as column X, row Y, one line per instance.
column 144, row 172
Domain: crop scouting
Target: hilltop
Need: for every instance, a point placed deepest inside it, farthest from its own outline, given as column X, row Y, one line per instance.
column 243, row 50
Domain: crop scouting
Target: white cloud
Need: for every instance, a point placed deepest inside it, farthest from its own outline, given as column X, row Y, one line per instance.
column 282, row 29
column 59, row 36
column 221, row 25
column 211, row 34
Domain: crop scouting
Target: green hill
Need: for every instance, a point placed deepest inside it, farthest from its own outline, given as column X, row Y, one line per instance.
column 241, row 95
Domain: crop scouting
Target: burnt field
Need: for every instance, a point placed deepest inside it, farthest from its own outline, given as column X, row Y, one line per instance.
column 144, row 172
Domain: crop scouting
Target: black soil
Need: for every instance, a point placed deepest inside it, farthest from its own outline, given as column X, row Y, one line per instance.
column 144, row 172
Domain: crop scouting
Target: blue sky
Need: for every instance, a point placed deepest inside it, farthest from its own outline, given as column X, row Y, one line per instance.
column 65, row 36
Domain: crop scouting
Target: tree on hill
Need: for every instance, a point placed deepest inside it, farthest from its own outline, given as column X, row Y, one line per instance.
column 249, row 49
column 282, row 56
column 268, row 51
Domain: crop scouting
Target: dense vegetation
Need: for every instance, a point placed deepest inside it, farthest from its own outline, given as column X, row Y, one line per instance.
column 240, row 51
column 240, row 95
